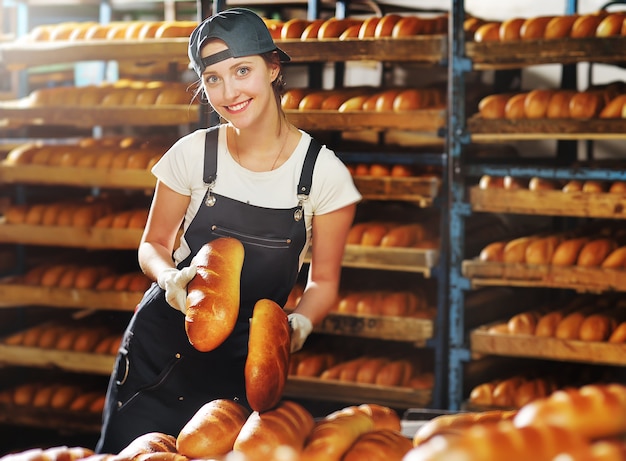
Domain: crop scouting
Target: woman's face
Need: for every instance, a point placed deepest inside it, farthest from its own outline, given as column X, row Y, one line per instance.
column 239, row 89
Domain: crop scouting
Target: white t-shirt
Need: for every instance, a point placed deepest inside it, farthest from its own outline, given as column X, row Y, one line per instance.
column 181, row 169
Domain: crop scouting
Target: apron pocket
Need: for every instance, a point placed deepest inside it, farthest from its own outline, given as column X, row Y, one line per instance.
column 267, row 242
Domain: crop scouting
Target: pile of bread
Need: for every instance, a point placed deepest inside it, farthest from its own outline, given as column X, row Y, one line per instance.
column 605, row 102
column 66, row 336
column 59, row 395
column 116, row 30
column 386, row 26
column 122, row 93
column 83, row 276
column 365, row 99
column 535, row 184
column 375, row 302
column 397, row 170
column 513, row 392
column 380, row 371
column 574, row 424
column 101, row 212
column 582, row 318
column 127, row 153
column 585, row 247
column 391, row 234
column 596, row 24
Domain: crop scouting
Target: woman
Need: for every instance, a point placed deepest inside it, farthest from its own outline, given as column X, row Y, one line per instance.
column 257, row 178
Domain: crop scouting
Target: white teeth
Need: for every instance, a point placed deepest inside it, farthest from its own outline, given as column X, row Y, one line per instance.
column 238, row 106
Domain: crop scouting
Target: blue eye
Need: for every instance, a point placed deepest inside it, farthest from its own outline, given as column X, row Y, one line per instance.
column 211, row 80
column 241, row 71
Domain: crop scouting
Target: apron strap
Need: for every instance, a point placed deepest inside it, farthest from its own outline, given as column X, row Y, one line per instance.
column 210, row 155
column 306, row 177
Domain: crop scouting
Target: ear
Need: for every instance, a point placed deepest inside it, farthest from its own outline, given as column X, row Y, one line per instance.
column 274, row 71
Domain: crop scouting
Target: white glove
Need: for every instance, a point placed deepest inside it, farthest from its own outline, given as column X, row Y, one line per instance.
column 174, row 282
column 301, row 328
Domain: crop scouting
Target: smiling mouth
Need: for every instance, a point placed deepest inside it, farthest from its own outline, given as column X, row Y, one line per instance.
column 238, row 107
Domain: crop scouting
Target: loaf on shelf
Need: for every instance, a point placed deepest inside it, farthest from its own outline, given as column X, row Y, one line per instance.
column 579, row 319
column 513, row 392
column 59, row 335
column 596, row 24
column 370, row 370
column 367, row 99
column 391, row 234
column 388, row 25
column 115, row 30
column 597, row 102
column 55, row 395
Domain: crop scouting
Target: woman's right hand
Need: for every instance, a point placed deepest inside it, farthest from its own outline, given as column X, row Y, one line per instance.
column 174, row 282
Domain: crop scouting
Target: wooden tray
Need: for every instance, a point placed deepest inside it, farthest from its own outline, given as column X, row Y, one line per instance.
column 352, row 393
column 583, row 279
column 419, row 190
column 409, row 329
column 76, row 176
column 483, row 342
column 82, row 362
column 14, row 114
column 428, row 49
column 521, row 53
column 482, row 129
column 51, row 418
column 75, row 237
column 399, row 259
column 427, row 120
column 12, row 294
column 548, row 202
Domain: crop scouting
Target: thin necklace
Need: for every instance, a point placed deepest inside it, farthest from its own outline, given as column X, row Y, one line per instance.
column 282, row 147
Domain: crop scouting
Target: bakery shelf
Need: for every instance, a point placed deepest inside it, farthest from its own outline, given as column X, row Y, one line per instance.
column 19, row 55
column 76, row 176
column 393, row 259
column 426, row 120
column 421, row 191
column 582, row 279
column 521, row 53
column 16, row 113
column 353, row 393
column 23, row 54
column 497, row 130
column 13, row 294
column 83, row 362
column 409, row 329
column 76, row 237
column 548, row 202
column 51, row 418
column 530, row 346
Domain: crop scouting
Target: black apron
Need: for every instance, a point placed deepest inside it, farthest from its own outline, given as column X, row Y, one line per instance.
column 160, row 380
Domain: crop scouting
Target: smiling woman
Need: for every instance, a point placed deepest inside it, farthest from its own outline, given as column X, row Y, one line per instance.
column 255, row 178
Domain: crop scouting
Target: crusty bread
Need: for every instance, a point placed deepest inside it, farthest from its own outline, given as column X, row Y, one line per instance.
column 267, row 364
column 214, row 293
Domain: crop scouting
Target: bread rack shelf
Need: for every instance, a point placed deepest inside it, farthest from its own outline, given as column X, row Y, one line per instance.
column 582, row 279
column 15, row 294
column 513, row 54
column 483, row 342
column 549, row 202
column 53, row 418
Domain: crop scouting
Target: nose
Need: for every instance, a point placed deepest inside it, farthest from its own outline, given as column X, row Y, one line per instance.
column 231, row 90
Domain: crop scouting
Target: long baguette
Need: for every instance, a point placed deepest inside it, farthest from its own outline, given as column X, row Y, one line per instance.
column 267, row 364
column 213, row 294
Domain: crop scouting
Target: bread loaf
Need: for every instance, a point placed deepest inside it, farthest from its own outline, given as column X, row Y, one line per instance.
column 287, row 424
column 592, row 411
column 267, row 364
column 212, row 430
column 151, row 442
column 595, row 251
column 331, row 437
column 379, row 445
column 566, row 254
column 214, row 292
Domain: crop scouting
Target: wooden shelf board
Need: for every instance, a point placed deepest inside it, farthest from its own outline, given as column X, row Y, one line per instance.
column 422, row 191
column 549, row 202
column 81, row 237
column 379, row 327
column 353, row 393
column 12, row 294
column 532, row 346
column 73, row 361
column 482, row 129
column 51, row 418
column 582, row 279
column 400, row 259
column 521, row 53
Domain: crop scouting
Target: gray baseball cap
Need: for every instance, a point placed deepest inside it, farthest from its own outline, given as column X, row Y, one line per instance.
column 243, row 31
